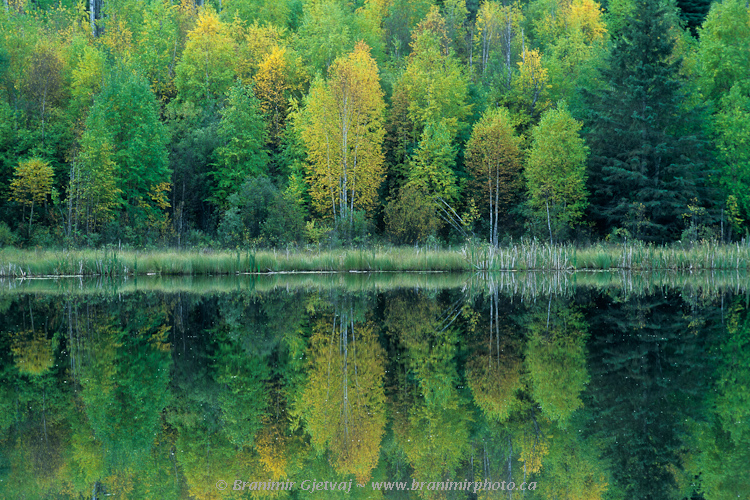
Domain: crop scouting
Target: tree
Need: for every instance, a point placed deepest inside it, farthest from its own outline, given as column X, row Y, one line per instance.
column 493, row 157
column 429, row 111
column 732, row 132
column 125, row 119
column 648, row 157
column 556, row 169
column 571, row 33
column 32, row 184
column 556, row 360
column 279, row 77
column 206, row 70
column 243, row 133
column 341, row 127
column 722, row 55
column 325, row 35
column 93, row 195
column 432, row 164
column 693, row 12
column 722, row 67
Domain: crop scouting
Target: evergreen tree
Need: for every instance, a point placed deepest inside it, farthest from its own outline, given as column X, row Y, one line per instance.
column 648, row 158
column 693, row 12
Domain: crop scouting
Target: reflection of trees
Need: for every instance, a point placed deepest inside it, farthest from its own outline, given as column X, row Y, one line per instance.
column 649, row 367
column 720, row 445
column 556, row 360
column 124, row 383
column 434, row 431
column 344, row 399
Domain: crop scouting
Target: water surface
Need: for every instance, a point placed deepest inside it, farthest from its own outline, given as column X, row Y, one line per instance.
column 588, row 386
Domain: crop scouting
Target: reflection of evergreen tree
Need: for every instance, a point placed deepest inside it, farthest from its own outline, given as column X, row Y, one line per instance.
column 649, row 372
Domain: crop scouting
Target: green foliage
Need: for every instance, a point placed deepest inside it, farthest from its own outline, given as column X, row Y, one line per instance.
column 259, row 214
column 124, row 120
column 555, row 171
column 648, row 152
column 243, row 134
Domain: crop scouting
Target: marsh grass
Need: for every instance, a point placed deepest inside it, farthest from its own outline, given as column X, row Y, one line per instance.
column 521, row 257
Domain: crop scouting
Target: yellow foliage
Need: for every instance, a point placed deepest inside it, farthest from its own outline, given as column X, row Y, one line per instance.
column 207, row 67
column 275, row 81
column 344, row 399
column 258, row 43
column 342, row 127
column 118, row 38
column 533, row 449
column 532, row 82
column 577, row 18
column 32, row 181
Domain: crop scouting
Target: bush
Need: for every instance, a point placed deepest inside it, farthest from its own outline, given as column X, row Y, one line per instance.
column 259, row 214
column 7, row 237
column 411, row 217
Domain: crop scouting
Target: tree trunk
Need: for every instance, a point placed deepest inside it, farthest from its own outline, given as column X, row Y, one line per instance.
column 31, row 216
column 92, row 16
column 549, row 225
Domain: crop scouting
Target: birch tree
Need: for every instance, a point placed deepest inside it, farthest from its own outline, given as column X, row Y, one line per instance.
column 493, row 156
column 342, row 129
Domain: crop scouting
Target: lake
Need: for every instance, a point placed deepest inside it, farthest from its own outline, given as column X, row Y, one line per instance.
column 353, row 385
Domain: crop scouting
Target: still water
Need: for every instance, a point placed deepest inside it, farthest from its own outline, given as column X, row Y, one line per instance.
column 598, row 386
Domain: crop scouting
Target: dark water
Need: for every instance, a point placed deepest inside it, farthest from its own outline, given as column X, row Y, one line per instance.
column 582, row 388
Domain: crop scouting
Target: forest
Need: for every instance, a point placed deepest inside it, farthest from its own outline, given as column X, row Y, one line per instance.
column 283, row 123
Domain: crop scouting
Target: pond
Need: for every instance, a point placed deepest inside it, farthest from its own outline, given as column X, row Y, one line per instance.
column 534, row 386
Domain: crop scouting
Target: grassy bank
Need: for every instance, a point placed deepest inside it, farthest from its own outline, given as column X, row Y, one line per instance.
column 527, row 257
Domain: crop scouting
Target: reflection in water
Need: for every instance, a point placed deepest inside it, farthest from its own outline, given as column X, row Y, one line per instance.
column 592, row 393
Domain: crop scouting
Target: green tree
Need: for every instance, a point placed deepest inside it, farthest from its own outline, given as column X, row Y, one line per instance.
column 243, row 134
column 556, row 170
column 326, row 34
column 412, row 216
column 125, row 119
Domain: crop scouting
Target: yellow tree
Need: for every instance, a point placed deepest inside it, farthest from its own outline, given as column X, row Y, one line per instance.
column 206, row 70
column 531, row 88
column 342, row 128
column 278, row 78
column 32, row 184
column 493, row 156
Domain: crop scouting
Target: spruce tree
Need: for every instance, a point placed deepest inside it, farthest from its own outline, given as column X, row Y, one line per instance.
column 648, row 160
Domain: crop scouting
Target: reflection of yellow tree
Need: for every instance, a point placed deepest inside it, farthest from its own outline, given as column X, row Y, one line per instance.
column 572, row 469
column 556, row 361
column 33, row 352
column 344, row 398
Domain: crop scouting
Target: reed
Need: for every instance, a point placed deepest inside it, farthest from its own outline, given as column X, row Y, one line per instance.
column 529, row 256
